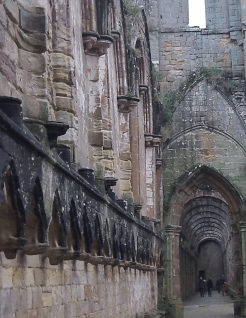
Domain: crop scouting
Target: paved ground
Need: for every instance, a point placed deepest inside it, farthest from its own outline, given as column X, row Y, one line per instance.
column 216, row 306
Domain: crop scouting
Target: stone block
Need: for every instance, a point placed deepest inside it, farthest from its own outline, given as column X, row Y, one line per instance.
column 70, row 310
column 12, row 10
column 62, row 75
column 34, row 23
column 25, row 299
column 29, row 277
column 81, row 292
column 96, row 138
column 62, row 89
column 65, row 104
column 47, row 299
column 18, row 277
column 37, row 297
column 125, row 165
column 54, row 277
column 5, row 303
column 3, row 17
column 62, row 61
column 32, row 62
column 7, row 277
column 125, row 185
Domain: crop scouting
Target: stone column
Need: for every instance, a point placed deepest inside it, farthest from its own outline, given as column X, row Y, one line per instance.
column 243, row 20
column 240, row 302
column 172, row 262
column 172, row 272
column 243, row 239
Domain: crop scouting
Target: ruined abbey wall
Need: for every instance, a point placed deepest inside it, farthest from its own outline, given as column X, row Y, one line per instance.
column 201, row 77
column 80, row 162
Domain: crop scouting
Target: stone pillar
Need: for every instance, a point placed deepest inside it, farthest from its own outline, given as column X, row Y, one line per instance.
column 172, row 262
column 243, row 239
column 240, row 302
column 243, row 20
column 172, row 273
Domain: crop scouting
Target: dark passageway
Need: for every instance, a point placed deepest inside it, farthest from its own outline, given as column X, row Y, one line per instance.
column 208, row 237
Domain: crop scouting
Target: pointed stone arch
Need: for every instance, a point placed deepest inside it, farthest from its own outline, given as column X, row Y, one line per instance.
column 87, row 233
column 115, row 243
column 204, row 207
column 133, row 248
column 73, row 233
column 57, row 232
column 107, row 243
column 12, row 213
column 97, row 244
column 36, row 224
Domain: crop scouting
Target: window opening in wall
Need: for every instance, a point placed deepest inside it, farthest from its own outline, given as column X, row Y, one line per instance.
column 197, row 13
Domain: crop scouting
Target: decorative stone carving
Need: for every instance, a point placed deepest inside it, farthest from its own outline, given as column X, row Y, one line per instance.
column 12, row 108
column 143, row 89
column 54, row 130
column 126, row 104
column 95, row 44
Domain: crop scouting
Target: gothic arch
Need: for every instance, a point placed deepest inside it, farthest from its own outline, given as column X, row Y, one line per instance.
column 87, row 233
column 115, row 243
column 107, row 243
column 204, row 207
column 12, row 213
column 36, row 224
column 57, row 233
column 97, row 244
column 73, row 233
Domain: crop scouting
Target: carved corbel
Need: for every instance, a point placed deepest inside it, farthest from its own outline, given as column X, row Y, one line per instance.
column 115, row 34
column 103, row 43
column 148, row 140
column 126, row 104
column 143, row 89
column 89, row 40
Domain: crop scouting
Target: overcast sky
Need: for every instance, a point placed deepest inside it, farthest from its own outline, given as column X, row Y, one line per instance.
column 197, row 13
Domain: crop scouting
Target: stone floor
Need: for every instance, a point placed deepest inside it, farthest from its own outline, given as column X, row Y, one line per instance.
column 217, row 306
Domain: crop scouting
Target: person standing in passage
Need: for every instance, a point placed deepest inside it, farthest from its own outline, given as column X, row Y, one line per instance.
column 218, row 285
column 210, row 287
column 222, row 281
column 201, row 287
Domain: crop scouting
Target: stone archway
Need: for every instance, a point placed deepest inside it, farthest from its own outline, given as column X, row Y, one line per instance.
column 205, row 209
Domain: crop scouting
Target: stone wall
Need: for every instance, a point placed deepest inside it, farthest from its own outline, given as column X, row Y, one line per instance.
column 31, row 287
column 211, row 261
column 79, row 223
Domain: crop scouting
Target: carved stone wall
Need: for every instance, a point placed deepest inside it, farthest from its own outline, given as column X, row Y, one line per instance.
column 80, row 183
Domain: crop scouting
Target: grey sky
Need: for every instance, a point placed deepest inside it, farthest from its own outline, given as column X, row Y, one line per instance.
column 197, row 13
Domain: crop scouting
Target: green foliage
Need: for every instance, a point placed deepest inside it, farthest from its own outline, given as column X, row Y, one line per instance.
column 156, row 75
column 131, row 12
column 167, row 201
column 167, row 100
column 99, row 173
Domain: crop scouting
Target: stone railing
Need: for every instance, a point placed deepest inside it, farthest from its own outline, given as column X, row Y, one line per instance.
column 49, row 208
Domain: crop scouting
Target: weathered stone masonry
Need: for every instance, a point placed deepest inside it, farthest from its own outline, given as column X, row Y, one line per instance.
column 80, row 162
column 203, row 144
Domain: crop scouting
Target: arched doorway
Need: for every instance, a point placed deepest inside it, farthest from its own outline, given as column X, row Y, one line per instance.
column 203, row 236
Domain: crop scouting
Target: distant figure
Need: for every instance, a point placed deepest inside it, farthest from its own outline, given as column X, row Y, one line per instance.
column 201, row 287
column 218, row 285
column 210, row 286
column 226, row 287
column 222, row 282
column 205, row 286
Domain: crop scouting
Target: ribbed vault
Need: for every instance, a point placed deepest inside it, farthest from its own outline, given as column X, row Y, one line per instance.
column 206, row 210
column 206, row 218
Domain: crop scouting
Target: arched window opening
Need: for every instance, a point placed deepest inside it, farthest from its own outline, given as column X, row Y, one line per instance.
column 197, row 15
